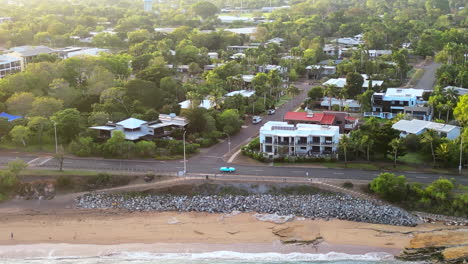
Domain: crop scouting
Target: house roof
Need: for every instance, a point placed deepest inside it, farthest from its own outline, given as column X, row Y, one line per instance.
column 131, row 123
column 459, row 90
column 339, row 82
column 207, row 104
column 344, row 102
column 27, row 51
column 322, row 118
column 106, row 128
column 7, row 59
column 416, row 126
column 243, row 93
column 9, row 117
column 285, row 129
column 401, row 93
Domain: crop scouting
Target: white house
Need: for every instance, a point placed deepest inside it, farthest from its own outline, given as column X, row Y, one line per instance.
column 243, row 93
column 378, row 53
column 240, row 49
column 279, row 139
column 353, row 105
column 8, row 65
column 70, row 52
column 136, row 129
column 206, row 103
column 242, row 31
column 460, row 91
column 341, row 83
column 389, row 104
column 27, row 53
column 417, row 127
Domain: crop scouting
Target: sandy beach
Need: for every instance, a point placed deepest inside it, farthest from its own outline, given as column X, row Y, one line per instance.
column 72, row 232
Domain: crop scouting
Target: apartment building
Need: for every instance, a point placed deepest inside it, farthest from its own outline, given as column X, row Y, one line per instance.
column 280, row 139
column 8, row 65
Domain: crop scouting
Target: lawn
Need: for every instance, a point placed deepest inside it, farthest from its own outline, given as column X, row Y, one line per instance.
column 32, row 172
column 283, row 99
column 28, row 148
column 413, row 158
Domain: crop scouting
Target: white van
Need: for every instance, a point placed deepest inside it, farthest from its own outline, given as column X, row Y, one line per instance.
column 256, row 119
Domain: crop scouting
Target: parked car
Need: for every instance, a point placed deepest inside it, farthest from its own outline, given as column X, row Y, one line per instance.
column 256, row 119
column 227, row 169
column 271, row 111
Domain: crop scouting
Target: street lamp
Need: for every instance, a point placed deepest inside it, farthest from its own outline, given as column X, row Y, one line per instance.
column 229, row 142
column 461, row 155
column 185, row 160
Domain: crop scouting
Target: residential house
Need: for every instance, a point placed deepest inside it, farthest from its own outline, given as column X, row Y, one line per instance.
column 277, row 41
column 242, row 31
column 351, row 104
column 417, row 127
column 213, row 55
column 341, row 83
column 378, row 53
column 9, row 117
column 268, row 68
column 348, row 42
column 319, row 71
column 243, row 93
column 280, row 139
column 136, row 129
column 232, row 19
column 5, row 20
column 206, row 103
column 389, row 104
column 70, row 52
column 8, row 65
column 240, row 49
column 460, row 91
column 27, row 53
column 330, row 62
column 343, row 120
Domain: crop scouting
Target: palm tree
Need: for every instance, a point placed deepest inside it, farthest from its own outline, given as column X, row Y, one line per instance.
column 331, row 91
column 395, row 144
column 429, row 137
column 344, row 143
column 195, row 99
column 293, row 90
column 443, row 152
column 368, row 143
column 342, row 94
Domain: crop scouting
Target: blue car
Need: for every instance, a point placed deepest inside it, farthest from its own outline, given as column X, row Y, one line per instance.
column 227, row 169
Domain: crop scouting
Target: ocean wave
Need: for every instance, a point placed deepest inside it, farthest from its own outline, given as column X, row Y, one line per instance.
column 264, row 257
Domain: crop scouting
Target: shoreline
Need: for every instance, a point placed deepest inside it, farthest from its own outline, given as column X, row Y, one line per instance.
column 91, row 233
column 202, row 250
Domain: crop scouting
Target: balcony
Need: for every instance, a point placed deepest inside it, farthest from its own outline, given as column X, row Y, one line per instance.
column 328, row 142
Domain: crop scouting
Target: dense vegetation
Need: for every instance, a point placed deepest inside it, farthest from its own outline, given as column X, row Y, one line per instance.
column 439, row 197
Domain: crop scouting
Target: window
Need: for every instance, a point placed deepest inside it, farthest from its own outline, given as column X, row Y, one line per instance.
column 303, row 148
column 268, row 140
column 268, row 148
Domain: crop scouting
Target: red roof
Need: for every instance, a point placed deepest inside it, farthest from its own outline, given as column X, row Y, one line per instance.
column 350, row 118
column 321, row 118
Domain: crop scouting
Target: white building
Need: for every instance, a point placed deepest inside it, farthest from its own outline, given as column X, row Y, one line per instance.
column 206, row 103
column 460, row 91
column 417, row 127
column 378, row 53
column 240, row 48
column 213, row 55
column 243, row 93
column 148, row 5
column 27, row 53
column 136, row 129
column 245, row 30
column 353, row 105
column 232, row 19
column 341, row 83
column 389, row 104
column 279, row 139
column 70, row 52
column 5, row 19
column 8, row 65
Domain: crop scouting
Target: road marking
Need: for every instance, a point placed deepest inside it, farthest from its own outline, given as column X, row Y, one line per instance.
column 45, row 161
column 422, row 177
column 210, row 156
column 231, row 159
column 298, row 171
column 257, row 170
column 34, row 160
column 338, row 173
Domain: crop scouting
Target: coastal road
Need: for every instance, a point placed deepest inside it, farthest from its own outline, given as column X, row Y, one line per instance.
column 427, row 82
column 161, row 167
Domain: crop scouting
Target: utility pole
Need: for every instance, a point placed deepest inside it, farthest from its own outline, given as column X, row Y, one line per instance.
column 55, row 132
column 229, row 142
column 185, row 160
